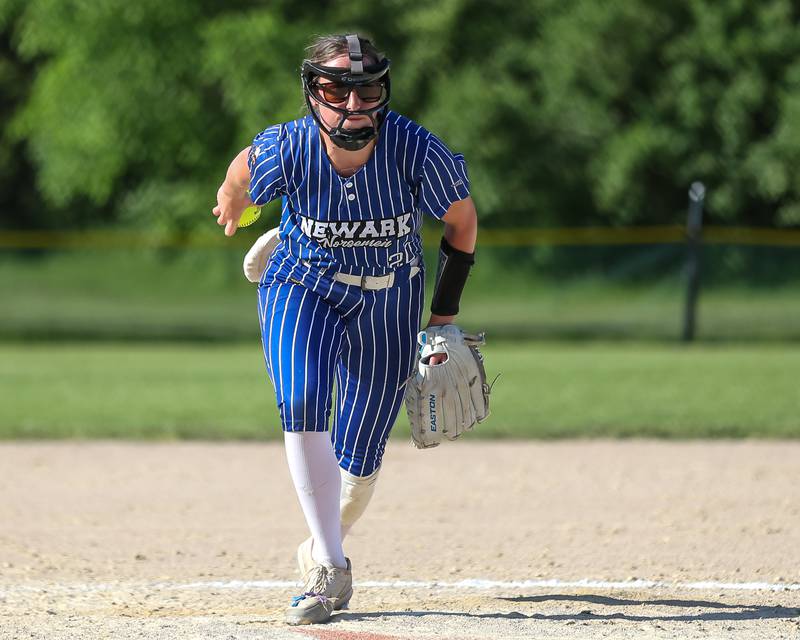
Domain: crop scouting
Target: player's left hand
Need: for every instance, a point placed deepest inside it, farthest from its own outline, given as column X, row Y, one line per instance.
column 438, row 321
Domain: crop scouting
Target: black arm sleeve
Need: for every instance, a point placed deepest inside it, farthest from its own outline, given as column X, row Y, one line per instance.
column 451, row 276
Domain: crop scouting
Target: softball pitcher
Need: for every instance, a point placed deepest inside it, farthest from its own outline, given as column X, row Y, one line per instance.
column 340, row 300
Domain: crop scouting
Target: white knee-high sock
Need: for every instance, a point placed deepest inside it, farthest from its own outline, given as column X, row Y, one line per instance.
column 315, row 472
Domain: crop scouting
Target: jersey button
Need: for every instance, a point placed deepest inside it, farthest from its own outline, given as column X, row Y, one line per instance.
column 352, row 196
column 348, row 185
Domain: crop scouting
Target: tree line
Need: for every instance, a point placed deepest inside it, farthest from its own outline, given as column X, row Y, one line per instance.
column 569, row 112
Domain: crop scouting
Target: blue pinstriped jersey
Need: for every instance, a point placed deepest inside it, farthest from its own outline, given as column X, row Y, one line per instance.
column 367, row 223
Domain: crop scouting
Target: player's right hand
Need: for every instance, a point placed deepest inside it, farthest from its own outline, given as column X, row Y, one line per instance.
column 230, row 206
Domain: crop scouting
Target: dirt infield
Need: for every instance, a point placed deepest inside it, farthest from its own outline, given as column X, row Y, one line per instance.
column 581, row 539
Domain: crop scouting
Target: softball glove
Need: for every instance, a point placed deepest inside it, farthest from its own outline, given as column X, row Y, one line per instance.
column 446, row 399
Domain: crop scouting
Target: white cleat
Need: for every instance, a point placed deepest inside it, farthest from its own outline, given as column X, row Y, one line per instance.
column 326, row 589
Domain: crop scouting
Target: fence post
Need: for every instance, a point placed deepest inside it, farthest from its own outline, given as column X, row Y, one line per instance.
column 694, row 233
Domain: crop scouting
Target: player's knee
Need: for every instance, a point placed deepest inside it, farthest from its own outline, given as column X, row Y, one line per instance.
column 355, row 495
column 300, row 412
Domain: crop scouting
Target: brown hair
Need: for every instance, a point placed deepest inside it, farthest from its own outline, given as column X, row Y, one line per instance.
column 323, row 48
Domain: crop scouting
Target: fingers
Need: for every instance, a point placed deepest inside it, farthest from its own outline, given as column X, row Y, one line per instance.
column 230, row 224
column 227, row 220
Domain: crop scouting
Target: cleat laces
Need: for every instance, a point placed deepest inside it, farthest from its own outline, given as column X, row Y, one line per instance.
column 318, row 585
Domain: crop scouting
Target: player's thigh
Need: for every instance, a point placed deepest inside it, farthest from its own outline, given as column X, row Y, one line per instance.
column 301, row 335
column 377, row 356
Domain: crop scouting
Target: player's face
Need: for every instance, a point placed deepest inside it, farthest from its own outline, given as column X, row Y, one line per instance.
column 352, row 99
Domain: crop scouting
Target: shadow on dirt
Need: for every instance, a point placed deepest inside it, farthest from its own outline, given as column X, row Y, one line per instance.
column 723, row 612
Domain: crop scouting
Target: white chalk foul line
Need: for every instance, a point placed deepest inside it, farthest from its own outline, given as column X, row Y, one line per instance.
column 471, row 584
column 519, row 584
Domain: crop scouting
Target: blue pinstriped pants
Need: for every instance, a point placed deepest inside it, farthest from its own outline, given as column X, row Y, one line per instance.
column 319, row 334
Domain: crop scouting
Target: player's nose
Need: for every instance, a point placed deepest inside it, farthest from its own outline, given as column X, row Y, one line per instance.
column 354, row 103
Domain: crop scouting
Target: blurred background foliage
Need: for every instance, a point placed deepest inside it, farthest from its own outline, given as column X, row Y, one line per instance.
column 570, row 112
column 122, row 116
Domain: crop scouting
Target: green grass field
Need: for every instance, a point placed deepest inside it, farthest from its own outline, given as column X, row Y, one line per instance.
column 200, row 294
column 167, row 391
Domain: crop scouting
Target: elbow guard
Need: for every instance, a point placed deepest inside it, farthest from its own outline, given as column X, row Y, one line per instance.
column 451, row 276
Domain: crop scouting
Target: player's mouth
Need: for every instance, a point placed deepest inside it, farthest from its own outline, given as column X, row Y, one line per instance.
column 358, row 121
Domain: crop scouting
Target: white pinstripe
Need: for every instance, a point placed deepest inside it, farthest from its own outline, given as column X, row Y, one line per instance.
column 410, row 339
column 371, row 438
column 283, row 322
column 307, row 348
column 371, row 384
column 270, row 365
column 357, row 321
column 355, row 177
column 294, row 352
column 322, row 342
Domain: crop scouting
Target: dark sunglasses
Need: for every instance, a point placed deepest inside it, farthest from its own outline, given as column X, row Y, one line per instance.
column 334, row 93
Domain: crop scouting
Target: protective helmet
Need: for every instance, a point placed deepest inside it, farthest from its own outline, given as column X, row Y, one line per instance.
column 370, row 82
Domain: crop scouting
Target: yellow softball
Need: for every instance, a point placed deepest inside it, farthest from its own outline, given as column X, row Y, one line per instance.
column 249, row 216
